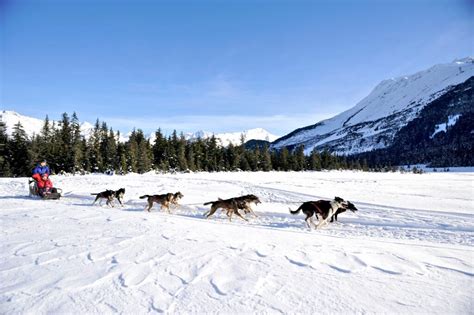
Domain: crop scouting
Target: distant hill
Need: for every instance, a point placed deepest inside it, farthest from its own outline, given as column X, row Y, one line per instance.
column 33, row 126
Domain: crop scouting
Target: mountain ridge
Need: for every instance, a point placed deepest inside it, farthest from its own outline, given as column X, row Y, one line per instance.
column 373, row 122
column 33, row 126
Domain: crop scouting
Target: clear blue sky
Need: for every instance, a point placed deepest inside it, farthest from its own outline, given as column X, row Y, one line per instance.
column 217, row 65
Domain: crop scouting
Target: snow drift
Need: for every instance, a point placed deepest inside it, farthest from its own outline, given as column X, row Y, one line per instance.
column 404, row 252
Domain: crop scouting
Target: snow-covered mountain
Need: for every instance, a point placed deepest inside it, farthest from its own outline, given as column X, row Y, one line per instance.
column 224, row 139
column 234, row 137
column 373, row 122
column 33, row 126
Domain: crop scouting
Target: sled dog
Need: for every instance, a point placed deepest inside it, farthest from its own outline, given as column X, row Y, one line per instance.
column 323, row 209
column 165, row 200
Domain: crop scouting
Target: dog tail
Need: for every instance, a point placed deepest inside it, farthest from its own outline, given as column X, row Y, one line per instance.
column 144, row 196
column 295, row 211
column 208, row 203
column 94, row 194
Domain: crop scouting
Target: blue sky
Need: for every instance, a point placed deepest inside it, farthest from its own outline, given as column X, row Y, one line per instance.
column 217, row 65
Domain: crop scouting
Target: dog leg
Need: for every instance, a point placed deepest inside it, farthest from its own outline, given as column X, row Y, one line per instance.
column 325, row 221
column 307, row 222
column 312, row 222
column 249, row 210
column 211, row 212
column 238, row 214
column 150, row 204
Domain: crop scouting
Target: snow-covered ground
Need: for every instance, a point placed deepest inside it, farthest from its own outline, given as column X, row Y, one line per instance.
column 409, row 249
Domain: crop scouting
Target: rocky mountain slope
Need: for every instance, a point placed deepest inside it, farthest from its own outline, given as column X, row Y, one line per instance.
column 374, row 122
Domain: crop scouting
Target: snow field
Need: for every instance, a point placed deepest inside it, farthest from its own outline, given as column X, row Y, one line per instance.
column 407, row 250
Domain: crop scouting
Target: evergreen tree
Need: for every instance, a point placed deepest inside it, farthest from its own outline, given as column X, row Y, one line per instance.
column 244, row 163
column 5, row 156
column 199, row 148
column 284, row 159
column 190, row 157
column 252, row 159
column 122, row 157
column 315, row 160
column 44, row 142
column 95, row 155
column 326, row 160
column 232, row 157
column 300, row 159
column 159, row 149
column 266, row 159
column 181, row 153
column 77, row 144
column 132, row 153
column 86, row 153
column 20, row 155
column 144, row 158
column 109, row 151
column 171, row 151
column 64, row 158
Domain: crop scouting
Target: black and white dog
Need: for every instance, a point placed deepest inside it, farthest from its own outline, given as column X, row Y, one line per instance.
column 119, row 194
column 350, row 206
column 324, row 210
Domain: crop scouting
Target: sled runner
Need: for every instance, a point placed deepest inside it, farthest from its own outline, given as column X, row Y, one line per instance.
column 54, row 194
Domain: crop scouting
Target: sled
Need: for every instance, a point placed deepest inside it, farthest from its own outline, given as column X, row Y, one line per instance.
column 34, row 192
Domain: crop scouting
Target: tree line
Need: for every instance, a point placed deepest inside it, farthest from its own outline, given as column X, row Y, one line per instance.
column 68, row 151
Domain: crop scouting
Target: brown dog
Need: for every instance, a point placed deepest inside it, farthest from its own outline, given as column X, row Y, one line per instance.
column 165, row 200
column 231, row 206
column 244, row 202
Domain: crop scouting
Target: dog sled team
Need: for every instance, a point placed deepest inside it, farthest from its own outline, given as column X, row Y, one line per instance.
column 324, row 210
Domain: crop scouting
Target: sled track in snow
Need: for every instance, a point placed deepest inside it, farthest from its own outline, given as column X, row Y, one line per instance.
column 372, row 220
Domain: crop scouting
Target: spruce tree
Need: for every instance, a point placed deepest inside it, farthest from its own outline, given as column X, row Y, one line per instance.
column 181, row 153
column 45, row 141
column 284, row 159
column 5, row 156
column 190, row 157
column 77, row 150
column 159, row 148
column 300, row 159
column 144, row 158
column 20, row 162
column 132, row 152
column 122, row 157
column 315, row 160
column 110, row 152
column 266, row 159
column 198, row 149
column 95, row 155
column 65, row 160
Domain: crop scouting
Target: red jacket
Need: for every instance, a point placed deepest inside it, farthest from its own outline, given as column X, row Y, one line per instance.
column 43, row 183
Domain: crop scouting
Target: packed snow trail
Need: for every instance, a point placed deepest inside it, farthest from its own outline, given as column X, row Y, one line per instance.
column 407, row 249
